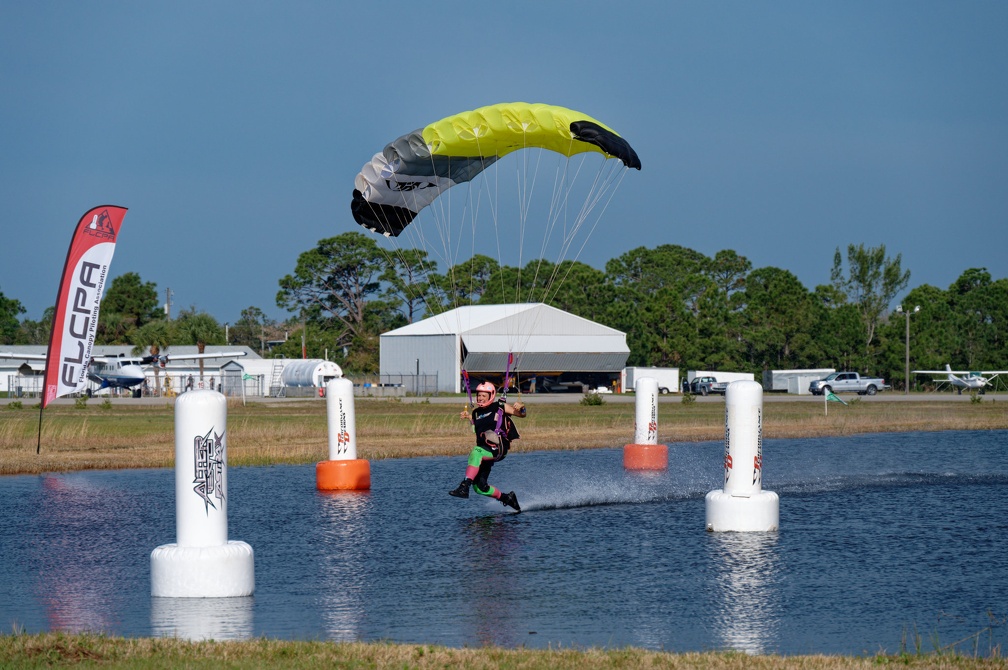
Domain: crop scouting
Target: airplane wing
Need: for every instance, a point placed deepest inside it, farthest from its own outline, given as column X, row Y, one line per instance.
column 23, row 357
column 193, row 357
column 165, row 358
column 141, row 360
column 960, row 372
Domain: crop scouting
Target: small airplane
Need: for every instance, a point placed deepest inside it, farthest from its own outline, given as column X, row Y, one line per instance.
column 971, row 380
column 125, row 372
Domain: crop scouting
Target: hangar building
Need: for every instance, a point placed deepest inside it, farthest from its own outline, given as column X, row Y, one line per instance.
column 547, row 343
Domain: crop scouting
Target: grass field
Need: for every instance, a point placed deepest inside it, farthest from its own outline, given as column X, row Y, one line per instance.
column 89, row 650
column 125, row 434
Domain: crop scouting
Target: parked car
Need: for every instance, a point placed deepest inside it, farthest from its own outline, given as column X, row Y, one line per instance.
column 707, row 385
column 848, row 382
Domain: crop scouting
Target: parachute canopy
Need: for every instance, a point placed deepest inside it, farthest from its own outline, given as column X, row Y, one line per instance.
column 413, row 170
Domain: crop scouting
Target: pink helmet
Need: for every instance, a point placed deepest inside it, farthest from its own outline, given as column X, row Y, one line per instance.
column 489, row 388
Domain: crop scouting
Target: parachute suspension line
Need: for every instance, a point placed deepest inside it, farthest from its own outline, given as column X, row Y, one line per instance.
column 504, row 390
column 465, row 377
column 563, row 187
column 526, row 189
column 611, row 188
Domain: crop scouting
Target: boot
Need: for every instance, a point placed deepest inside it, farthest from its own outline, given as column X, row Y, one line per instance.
column 510, row 500
column 462, row 490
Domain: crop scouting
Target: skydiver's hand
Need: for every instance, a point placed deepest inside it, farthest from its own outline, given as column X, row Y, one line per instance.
column 463, row 414
column 519, row 408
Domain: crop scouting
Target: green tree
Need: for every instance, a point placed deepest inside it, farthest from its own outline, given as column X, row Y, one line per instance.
column 779, row 320
column 333, row 283
column 151, row 339
column 873, row 280
column 980, row 308
column 251, row 329
column 10, row 309
column 198, row 328
column 36, row 332
column 658, row 297
column 128, row 304
column 577, row 288
column 465, row 284
column 571, row 286
column 407, row 277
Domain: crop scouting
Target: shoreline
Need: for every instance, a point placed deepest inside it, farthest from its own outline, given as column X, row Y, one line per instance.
column 123, row 433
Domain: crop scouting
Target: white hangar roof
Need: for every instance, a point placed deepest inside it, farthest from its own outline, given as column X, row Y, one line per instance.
column 543, row 338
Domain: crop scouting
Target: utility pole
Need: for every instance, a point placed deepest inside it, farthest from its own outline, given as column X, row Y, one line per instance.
column 168, row 303
column 899, row 308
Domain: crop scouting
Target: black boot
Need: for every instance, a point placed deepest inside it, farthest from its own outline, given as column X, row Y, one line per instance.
column 462, row 490
column 510, row 500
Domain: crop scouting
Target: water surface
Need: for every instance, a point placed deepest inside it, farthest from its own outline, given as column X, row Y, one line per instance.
column 881, row 536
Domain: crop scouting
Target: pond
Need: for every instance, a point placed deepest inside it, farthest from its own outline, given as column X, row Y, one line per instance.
column 885, row 540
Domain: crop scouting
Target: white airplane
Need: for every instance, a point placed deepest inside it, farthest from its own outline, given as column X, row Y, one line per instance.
column 971, row 380
column 125, row 372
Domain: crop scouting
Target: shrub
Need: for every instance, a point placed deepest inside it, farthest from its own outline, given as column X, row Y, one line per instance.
column 592, row 399
column 688, row 399
column 15, row 404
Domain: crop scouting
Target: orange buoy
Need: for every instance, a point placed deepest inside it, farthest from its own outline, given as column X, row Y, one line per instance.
column 645, row 456
column 345, row 475
column 645, row 453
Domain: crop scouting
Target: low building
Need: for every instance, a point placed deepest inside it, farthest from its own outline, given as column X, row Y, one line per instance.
column 549, row 347
column 22, row 371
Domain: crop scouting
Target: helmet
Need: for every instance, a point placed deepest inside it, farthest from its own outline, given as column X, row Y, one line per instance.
column 489, row 388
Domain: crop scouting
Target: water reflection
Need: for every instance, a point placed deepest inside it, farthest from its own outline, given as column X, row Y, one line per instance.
column 746, row 608
column 491, row 577
column 345, row 533
column 202, row 618
column 79, row 580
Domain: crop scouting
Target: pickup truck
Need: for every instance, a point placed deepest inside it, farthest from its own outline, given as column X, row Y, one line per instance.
column 706, row 385
column 848, row 382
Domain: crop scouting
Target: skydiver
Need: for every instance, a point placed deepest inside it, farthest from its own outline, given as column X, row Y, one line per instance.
column 495, row 433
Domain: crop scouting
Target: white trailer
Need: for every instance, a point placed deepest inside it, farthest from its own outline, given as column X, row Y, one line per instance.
column 668, row 378
column 793, row 381
column 722, row 376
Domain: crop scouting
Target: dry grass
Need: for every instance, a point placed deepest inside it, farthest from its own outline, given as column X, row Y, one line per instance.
column 124, row 434
column 49, row 649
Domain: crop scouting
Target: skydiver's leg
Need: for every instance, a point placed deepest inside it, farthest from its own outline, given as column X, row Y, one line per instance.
column 477, row 457
column 480, row 484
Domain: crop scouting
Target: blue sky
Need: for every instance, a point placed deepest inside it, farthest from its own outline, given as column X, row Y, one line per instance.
column 233, row 130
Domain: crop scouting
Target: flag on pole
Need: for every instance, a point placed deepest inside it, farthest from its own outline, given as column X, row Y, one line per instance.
column 833, row 397
column 829, row 397
column 80, row 292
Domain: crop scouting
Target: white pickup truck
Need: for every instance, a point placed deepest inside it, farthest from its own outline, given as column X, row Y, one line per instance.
column 848, row 382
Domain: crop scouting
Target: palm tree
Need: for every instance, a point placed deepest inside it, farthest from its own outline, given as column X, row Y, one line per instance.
column 200, row 329
column 153, row 336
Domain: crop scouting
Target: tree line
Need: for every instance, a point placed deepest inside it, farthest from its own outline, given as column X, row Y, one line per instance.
column 678, row 307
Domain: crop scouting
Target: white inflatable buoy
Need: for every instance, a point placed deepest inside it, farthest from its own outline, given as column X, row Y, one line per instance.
column 645, row 453
column 343, row 471
column 743, row 505
column 202, row 563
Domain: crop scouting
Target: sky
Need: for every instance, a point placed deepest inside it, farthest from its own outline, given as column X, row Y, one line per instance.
column 233, row 130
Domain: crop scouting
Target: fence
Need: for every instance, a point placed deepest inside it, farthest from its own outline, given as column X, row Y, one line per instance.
column 237, row 384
